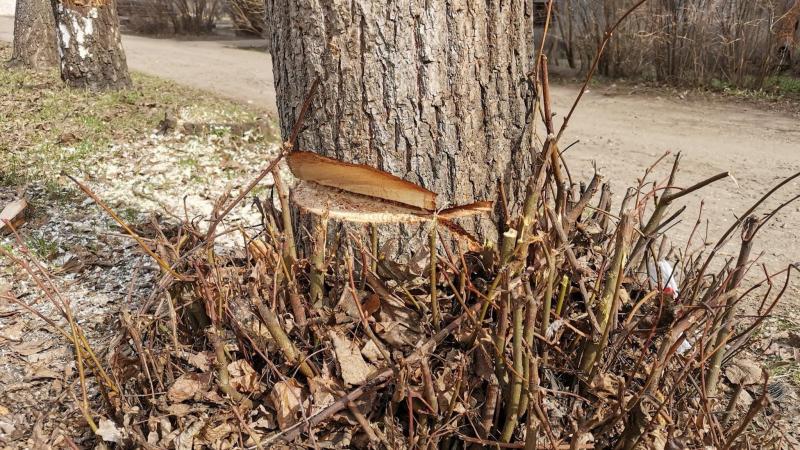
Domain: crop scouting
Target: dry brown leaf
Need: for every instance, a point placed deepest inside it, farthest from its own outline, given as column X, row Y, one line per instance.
column 656, row 440
column 49, row 356
column 399, row 326
column 323, row 392
column 605, row 385
column 212, row 435
column 266, row 419
column 12, row 332
column 287, row 397
column 244, row 378
column 258, row 249
column 179, row 409
column 744, row 372
column 355, row 371
column 359, row 179
column 68, row 138
column 186, row 439
column 371, row 352
column 347, row 303
column 41, row 373
column 13, row 213
column 187, row 386
column 371, row 304
column 31, row 347
column 199, row 360
column 336, row 439
column 4, row 411
column 397, row 334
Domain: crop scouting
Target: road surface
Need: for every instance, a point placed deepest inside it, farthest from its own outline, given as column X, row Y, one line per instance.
column 226, row 67
column 622, row 131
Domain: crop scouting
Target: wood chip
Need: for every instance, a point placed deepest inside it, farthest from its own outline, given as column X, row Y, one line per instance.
column 12, row 213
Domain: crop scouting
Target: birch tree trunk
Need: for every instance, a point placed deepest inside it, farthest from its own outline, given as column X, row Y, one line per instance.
column 90, row 47
column 35, row 43
column 435, row 92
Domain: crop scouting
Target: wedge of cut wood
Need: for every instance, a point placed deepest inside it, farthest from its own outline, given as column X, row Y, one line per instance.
column 338, row 204
column 335, row 203
column 13, row 213
column 359, row 179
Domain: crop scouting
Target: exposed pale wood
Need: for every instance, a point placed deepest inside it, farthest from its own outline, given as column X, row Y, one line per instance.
column 320, row 200
column 360, row 179
column 338, row 204
column 466, row 210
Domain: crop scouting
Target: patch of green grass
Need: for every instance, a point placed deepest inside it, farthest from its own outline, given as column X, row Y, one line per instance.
column 782, row 324
column 44, row 249
column 731, row 89
column 785, row 84
column 773, row 88
column 220, row 131
column 189, row 163
column 129, row 215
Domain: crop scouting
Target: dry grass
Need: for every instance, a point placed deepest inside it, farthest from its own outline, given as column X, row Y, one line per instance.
column 46, row 128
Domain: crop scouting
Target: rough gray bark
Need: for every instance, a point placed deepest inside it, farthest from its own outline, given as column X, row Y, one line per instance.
column 432, row 91
column 90, row 47
column 35, row 43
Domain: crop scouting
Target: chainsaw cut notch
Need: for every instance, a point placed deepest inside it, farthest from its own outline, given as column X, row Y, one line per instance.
column 326, row 201
column 359, row 179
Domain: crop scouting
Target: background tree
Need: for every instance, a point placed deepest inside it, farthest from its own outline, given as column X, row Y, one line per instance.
column 91, row 50
column 434, row 92
column 34, row 35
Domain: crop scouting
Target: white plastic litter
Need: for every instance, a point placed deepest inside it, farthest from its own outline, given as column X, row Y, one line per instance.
column 664, row 277
column 553, row 328
column 685, row 346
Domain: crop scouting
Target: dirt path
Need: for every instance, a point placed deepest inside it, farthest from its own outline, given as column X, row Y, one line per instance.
column 226, row 67
column 622, row 131
column 625, row 132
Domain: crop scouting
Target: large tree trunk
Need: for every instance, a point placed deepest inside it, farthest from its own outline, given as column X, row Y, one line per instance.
column 433, row 92
column 91, row 49
column 35, row 43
